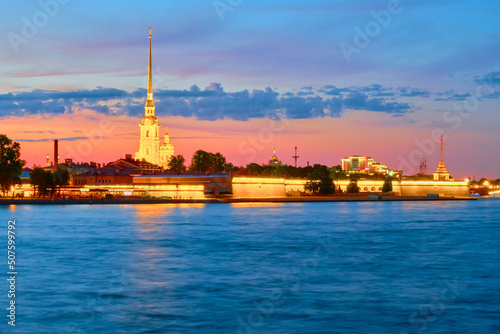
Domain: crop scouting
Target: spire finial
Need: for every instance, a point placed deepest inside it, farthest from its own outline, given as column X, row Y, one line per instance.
column 442, row 144
column 150, row 72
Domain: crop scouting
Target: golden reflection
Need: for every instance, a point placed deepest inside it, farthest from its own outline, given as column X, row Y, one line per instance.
column 426, row 204
column 12, row 207
column 190, row 205
column 152, row 216
column 153, row 210
column 253, row 205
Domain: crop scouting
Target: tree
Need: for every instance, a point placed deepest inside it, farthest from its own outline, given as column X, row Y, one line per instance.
column 176, row 163
column 352, row 187
column 43, row 180
column 312, row 184
column 37, row 179
column 387, row 187
column 61, row 177
column 206, row 162
column 230, row 168
column 319, row 181
column 50, row 183
column 218, row 163
column 11, row 166
column 201, row 162
column 254, row 168
column 326, row 186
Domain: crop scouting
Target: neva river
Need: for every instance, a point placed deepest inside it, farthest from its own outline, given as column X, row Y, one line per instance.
column 390, row 267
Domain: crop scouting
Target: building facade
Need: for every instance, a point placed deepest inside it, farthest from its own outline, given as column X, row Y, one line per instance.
column 274, row 160
column 361, row 164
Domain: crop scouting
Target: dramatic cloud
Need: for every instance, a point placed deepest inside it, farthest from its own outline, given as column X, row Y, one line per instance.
column 212, row 103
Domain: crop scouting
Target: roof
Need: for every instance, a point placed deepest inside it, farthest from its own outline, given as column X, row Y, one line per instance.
column 111, row 171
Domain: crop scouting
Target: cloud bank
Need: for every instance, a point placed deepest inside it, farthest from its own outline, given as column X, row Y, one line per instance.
column 212, row 103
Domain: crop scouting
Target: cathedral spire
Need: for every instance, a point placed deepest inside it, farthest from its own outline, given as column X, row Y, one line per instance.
column 150, row 74
column 150, row 103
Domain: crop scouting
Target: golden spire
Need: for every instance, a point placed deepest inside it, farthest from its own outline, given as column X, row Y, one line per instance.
column 150, row 102
column 442, row 144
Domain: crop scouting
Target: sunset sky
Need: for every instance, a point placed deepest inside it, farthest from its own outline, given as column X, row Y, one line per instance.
column 336, row 78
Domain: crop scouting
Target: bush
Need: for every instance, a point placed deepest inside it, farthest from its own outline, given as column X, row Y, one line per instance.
column 352, row 187
column 387, row 187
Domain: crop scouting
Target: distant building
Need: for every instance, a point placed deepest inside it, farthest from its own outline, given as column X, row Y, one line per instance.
column 121, row 171
column 150, row 149
column 359, row 164
column 144, row 167
column 75, row 168
column 106, row 175
column 274, row 160
column 441, row 173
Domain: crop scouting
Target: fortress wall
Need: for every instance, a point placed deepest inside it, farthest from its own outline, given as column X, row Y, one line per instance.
column 251, row 187
column 443, row 188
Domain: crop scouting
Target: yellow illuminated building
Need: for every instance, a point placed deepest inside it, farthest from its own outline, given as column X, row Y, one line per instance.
column 274, row 160
column 441, row 173
column 150, row 148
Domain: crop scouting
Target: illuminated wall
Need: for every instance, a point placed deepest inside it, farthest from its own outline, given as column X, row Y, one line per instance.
column 248, row 187
column 252, row 187
column 443, row 188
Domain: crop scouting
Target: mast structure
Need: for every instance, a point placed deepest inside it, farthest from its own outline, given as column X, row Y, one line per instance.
column 296, row 157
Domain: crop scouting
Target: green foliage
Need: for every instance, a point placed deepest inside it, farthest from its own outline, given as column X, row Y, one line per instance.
column 61, row 177
column 218, row 163
column 230, row 168
column 176, row 163
column 254, row 168
column 207, row 162
column 337, row 173
column 352, row 187
column 43, row 181
column 11, row 165
column 319, row 181
column 387, row 187
column 201, row 161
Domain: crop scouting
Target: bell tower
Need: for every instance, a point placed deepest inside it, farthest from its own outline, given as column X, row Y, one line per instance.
column 149, row 143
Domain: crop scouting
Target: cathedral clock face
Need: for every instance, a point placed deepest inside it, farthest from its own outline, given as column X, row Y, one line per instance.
column 147, row 122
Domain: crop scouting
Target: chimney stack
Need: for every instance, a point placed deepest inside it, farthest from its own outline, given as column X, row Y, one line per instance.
column 56, row 154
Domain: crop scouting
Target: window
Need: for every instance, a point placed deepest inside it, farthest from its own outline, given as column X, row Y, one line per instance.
column 147, row 133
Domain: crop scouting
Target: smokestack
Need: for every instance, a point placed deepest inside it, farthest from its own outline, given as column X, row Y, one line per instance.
column 56, row 154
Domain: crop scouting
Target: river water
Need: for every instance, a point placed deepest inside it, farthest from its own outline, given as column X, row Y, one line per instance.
column 370, row 267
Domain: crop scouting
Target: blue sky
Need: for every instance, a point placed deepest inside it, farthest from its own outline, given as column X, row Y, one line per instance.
column 259, row 44
column 261, row 56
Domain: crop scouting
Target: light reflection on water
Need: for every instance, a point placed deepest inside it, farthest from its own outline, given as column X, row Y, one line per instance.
column 182, row 268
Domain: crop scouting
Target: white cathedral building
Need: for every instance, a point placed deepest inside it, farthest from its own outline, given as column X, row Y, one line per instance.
column 150, row 148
